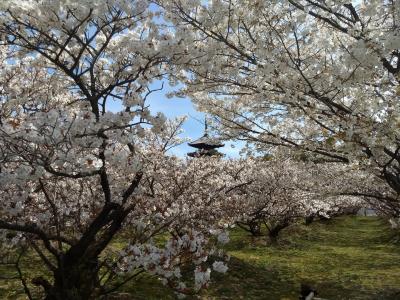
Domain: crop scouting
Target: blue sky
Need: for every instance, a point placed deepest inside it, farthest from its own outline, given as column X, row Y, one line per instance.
column 194, row 125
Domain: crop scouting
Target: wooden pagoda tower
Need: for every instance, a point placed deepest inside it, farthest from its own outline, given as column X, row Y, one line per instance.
column 206, row 145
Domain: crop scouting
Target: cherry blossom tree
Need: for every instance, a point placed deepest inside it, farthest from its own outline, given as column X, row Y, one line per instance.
column 75, row 174
column 335, row 189
column 188, row 200
column 272, row 199
column 321, row 77
column 283, row 191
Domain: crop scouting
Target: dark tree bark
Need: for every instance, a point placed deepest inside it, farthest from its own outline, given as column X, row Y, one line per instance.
column 275, row 228
column 309, row 219
column 75, row 282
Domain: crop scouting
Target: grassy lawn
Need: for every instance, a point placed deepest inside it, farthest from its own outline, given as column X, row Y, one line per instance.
column 345, row 258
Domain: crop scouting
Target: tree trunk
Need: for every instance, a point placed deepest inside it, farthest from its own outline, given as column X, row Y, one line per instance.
column 309, row 219
column 76, row 281
column 273, row 236
column 273, row 231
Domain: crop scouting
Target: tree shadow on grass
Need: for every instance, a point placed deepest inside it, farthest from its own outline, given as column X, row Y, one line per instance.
column 251, row 281
column 345, row 258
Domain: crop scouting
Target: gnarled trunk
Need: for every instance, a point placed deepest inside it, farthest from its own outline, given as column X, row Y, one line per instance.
column 75, row 281
column 275, row 229
column 309, row 219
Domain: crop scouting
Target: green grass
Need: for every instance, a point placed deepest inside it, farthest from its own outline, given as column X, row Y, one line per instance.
column 31, row 267
column 344, row 258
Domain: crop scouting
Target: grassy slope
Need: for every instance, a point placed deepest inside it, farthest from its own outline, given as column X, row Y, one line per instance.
column 346, row 258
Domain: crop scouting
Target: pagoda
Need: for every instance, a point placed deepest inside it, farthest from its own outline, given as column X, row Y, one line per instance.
column 206, row 145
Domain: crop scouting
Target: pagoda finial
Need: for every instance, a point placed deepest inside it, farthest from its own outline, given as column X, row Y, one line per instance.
column 206, row 145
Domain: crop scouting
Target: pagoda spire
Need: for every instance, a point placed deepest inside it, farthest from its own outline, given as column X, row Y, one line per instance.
column 206, row 146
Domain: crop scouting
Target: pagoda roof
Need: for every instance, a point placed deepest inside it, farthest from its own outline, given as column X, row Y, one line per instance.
column 201, row 152
column 206, row 142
